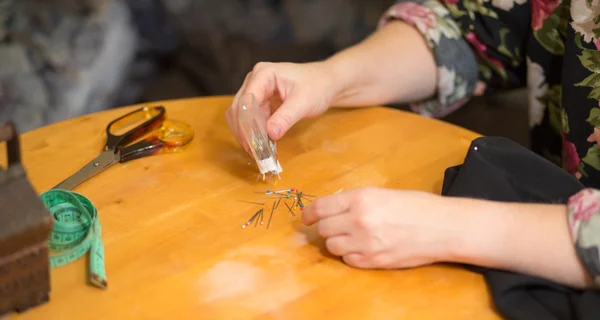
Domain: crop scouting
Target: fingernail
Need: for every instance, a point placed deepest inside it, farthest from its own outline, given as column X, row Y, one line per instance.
column 276, row 130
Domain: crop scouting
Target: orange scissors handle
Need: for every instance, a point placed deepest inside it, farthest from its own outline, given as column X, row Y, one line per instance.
column 119, row 132
column 172, row 137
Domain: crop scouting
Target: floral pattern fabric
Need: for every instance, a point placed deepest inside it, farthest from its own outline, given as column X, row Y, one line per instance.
column 552, row 47
column 584, row 223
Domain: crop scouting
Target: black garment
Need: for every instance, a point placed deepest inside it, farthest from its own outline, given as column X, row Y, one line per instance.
column 501, row 170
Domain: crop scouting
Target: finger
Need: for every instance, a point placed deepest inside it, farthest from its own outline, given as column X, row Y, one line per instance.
column 328, row 206
column 267, row 107
column 233, row 124
column 271, row 104
column 340, row 245
column 357, row 260
column 335, row 226
column 262, row 84
column 232, row 113
column 289, row 113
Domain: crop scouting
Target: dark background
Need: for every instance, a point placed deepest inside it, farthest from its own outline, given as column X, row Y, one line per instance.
column 65, row 58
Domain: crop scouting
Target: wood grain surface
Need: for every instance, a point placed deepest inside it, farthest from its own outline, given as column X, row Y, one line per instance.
column 172, row 231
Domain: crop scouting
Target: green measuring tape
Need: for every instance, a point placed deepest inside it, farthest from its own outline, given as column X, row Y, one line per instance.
column 76, row 231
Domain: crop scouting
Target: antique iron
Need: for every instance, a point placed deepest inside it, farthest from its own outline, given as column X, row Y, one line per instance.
column 25, row 226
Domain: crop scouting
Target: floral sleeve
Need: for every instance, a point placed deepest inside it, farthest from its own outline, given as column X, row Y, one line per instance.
column 476, row 46
column 584, row 224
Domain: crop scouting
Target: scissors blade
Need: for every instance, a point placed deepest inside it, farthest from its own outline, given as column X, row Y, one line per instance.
column 101, row 162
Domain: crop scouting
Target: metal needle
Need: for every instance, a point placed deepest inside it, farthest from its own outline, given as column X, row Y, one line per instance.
column 271, row 216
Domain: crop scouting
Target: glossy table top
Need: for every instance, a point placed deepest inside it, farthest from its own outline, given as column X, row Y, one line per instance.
column 172, row 226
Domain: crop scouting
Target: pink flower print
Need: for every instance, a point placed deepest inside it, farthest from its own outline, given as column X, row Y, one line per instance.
column 540, row 11
column 594, row 137
column 479, row 88
column 576, row 198
column 597, row 43
column 495, row 62
column 584, row 205
column 481, row 49
column 571, row 159
column 414, row 14
column 451, row 2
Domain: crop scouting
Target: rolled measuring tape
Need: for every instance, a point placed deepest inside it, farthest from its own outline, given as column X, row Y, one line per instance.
column 76, row 231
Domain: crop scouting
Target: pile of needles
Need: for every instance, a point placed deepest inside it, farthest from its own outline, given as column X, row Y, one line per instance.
column 293, row 194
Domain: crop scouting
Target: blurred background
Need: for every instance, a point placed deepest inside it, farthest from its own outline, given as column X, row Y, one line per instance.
column 65, row 58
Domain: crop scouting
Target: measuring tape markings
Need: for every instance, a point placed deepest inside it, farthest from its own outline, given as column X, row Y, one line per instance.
column 76, row 231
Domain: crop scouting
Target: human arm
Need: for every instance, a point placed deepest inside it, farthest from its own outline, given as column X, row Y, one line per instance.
column 401, row 62
column 532, row 239
column 390, row 229
column 434, row 56
column 394, row 64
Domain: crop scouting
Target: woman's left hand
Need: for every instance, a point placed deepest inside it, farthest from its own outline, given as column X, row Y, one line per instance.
column 385, row 229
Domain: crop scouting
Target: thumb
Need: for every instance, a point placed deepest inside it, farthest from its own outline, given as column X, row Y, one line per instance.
column 290, row 112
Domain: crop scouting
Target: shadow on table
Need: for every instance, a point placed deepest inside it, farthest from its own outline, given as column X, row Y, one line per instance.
column 313, row 239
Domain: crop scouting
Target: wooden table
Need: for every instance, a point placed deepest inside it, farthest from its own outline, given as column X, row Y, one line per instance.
column 174, row 244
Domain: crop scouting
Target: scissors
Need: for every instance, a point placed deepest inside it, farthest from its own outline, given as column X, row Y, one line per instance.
column 157, row 136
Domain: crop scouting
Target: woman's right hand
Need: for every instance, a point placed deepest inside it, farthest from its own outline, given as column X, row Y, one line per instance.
column 286, row 93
